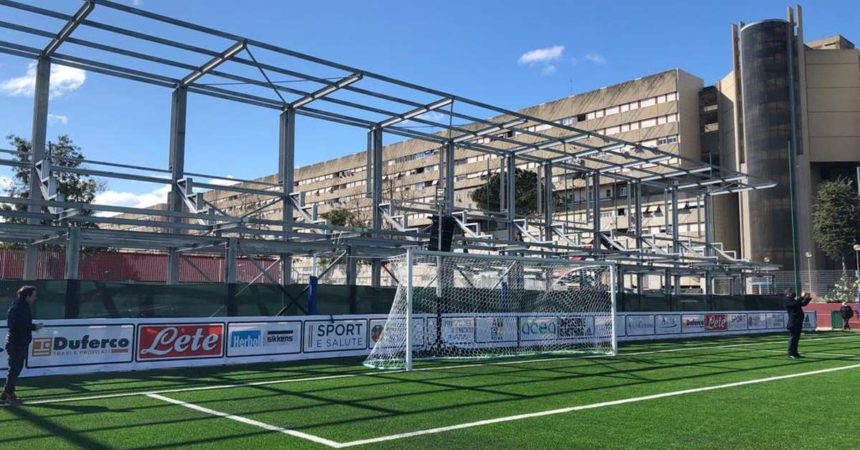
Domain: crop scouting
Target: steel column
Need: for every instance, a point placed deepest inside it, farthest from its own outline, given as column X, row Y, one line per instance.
column 706, row 209
column 547, row 201
column 37, row 153
column 511, row 173
column 286, row 176
column 376, row 198
column 73, row 253
column 231, row 257
column 178, row 108
column 450, row 177
column 595, row 245
column 676, row 244
column 637, row 214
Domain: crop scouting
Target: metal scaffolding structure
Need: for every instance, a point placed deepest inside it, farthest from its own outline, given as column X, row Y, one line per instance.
column 380, row 105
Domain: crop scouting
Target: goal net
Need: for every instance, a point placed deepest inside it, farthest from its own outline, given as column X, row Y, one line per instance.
column 464, row 306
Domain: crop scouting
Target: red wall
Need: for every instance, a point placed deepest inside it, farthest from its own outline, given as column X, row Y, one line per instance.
column 823, row 313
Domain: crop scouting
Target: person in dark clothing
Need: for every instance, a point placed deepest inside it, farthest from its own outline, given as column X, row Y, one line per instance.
column 847, row 313
column 794, row 307
column 21, row 327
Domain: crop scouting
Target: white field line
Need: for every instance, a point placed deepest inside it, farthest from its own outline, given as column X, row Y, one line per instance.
column 247, row 421
column 377, row 373
column 837, row 355
column 590, row 406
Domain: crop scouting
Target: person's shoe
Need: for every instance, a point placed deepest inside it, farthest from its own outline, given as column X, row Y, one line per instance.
column 11, row 399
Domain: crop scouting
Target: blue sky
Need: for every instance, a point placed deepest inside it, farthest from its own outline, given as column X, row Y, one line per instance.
column 511, row 54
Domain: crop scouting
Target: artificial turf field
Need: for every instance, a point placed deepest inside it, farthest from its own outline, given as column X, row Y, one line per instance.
column 738, row 392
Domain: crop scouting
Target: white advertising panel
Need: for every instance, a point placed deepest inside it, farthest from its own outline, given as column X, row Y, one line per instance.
column 538, row 328
column 335, row 335
column 756, row 321
column 496, row 329
column 376, row 327
column 264, row 338
column 667, row 324
column 693, row 323
column 455, row 330
column 69, row 345
column 737, row 322
column 603, row 326
column 776, row 320
column 809, row 321
column 640, row 325
column 575, row 327
column 4, row 361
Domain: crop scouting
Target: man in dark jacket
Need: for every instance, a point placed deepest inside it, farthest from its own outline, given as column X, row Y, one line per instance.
column 21, row 327
column 794, row 307
column 847, row 313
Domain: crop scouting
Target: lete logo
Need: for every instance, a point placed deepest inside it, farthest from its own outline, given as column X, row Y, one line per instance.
column 716, row 322
column 203, row 340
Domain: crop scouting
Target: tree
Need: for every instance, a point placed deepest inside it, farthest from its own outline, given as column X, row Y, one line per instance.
column 343, row 217
column 74, row 187
column 836, row 219
column 487, row 196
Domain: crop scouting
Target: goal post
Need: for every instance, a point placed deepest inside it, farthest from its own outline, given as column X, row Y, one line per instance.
column 472, row 306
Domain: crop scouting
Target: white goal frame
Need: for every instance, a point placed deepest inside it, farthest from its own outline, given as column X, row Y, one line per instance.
column 412, row 253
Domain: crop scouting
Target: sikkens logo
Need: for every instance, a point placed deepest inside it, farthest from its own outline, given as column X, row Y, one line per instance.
column 180, row 341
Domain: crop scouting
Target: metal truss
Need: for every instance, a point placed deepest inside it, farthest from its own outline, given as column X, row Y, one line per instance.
column 348, row 96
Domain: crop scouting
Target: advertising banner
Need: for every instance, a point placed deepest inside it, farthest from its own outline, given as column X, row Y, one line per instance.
column 375, row 331
column 70, row 345
column 777, row 321
column 603, row 326
column 640, row 325
column 180, row 341
column 538, row 328
column 737, row 322
column 4, row 361
column 756, row 321
column 667, row 324
column 264, row 338
column 496, row 330
column 693, row 323
column 809, row 321
column 455, row 330
column 335, row 335
column 716, row 322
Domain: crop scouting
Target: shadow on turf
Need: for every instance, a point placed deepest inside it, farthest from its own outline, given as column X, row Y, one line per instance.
column 441, row 382
column 54, row 430
column 450, row 381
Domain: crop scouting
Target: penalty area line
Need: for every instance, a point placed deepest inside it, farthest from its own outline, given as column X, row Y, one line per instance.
column 591, row 406
column 247, row 421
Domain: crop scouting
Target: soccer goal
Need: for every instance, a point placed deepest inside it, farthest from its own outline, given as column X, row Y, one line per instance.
column 467, row 306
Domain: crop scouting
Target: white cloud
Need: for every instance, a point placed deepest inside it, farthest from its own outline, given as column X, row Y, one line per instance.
column 132, row 200
column 548, row 70
column 5, row 183
column 223, row 182
column 63, row 81
column 542, row 55
column 596, row 58
column 58, row 119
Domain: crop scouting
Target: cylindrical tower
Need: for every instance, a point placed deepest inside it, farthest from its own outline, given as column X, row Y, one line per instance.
column 766, row 87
